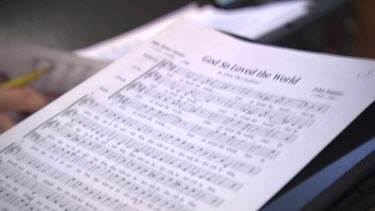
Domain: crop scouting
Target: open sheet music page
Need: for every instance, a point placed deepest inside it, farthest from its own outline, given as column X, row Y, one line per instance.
column 192, row 120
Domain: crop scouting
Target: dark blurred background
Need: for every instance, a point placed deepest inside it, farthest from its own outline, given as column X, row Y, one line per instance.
column 347, row 28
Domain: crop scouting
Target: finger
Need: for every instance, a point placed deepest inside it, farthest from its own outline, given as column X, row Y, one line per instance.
column 21, row 100
column 5, row 123
column 51, row 96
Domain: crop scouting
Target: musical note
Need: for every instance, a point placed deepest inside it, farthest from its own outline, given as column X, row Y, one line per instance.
column 72, row 182
column 46, row 193
column 210, row 134
column 275, row 117
column 157, row 155
column 95, row 167
column 119, row 147
column 207, row 133
column 259, row 95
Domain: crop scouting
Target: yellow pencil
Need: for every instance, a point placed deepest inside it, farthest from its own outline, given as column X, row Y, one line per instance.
column 25, row 79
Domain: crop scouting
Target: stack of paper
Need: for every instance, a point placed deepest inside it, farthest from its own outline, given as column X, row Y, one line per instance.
column 250, row 22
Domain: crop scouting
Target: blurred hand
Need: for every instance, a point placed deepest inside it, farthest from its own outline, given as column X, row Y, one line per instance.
column 19, row 100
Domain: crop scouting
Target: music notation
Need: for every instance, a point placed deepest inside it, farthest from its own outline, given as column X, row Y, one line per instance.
column 11, row 175
column 163, row 137
column 216, row 84
column 70, row 181
column 166, row 118
column 12, row 199
column 172, row 127
column 147, row 151
column 241, row 145
column 112, row 175
column 127, row 145
column 252, row 93
column 229, row 121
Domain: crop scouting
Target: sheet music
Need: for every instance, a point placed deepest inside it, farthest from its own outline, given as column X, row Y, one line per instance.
column 67, row 70
column 183, row 123
column 250, row 22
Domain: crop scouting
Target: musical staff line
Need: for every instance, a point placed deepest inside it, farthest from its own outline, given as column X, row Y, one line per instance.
column 130, row 165
column 159, row 64
column 14, row 200
column 229, row 87
column 255, row 94
column 155, row 154
column 70, row 181
column 117, row 179
column 229, row 121
column 37, row 188
column 275, row 117
column 185, row 188
column 57, row 114
column 170, row 139
column 230, row 141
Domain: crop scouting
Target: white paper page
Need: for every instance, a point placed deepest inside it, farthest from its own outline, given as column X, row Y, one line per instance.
column 253, row 22
column 66, row 69
column 192, row 120
column 249, row 22
column 118, row 46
